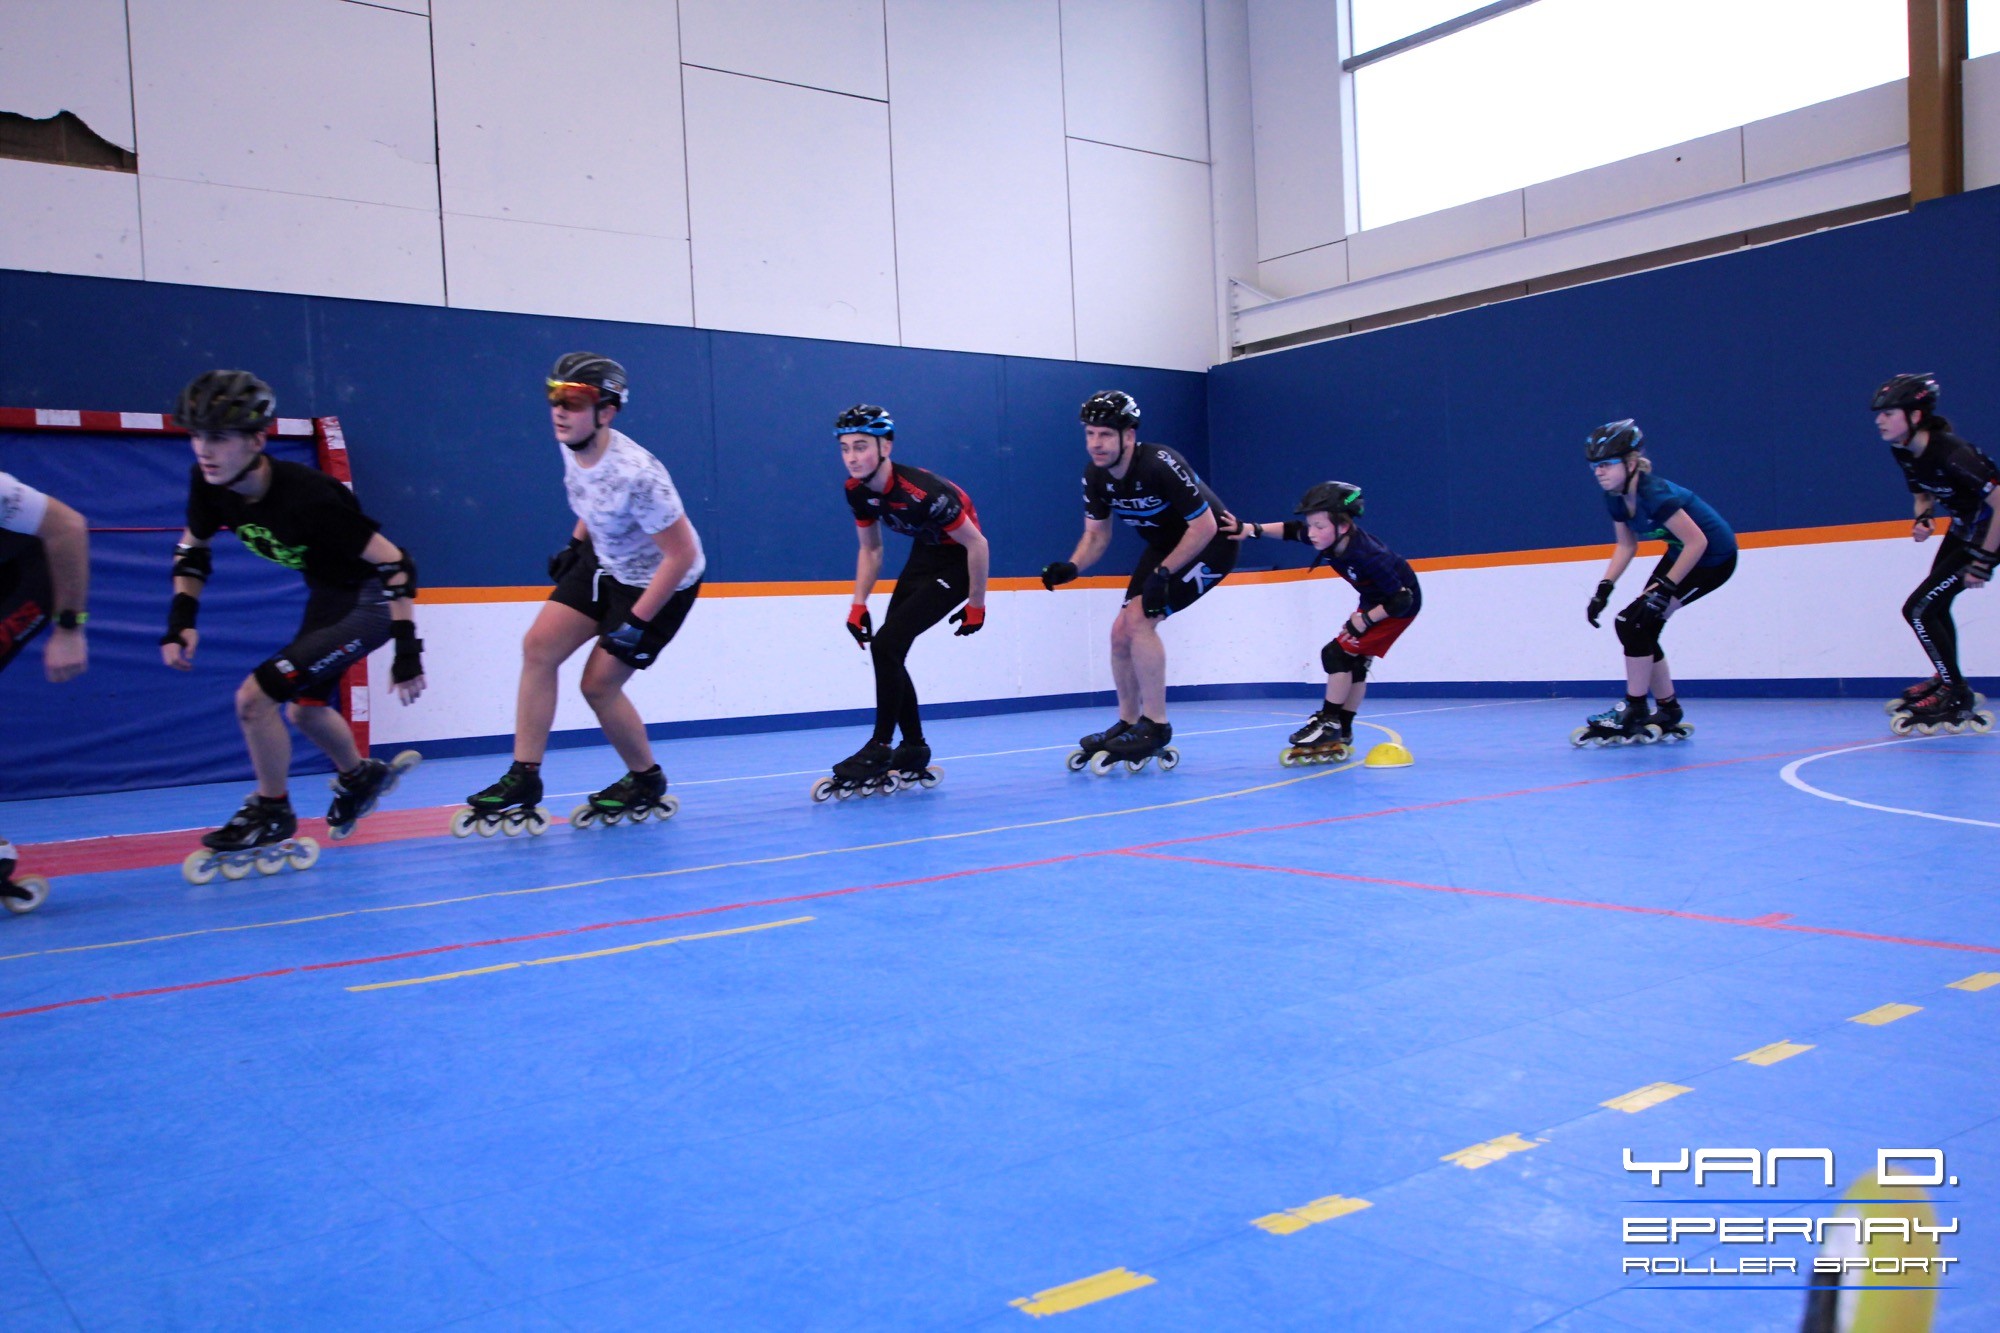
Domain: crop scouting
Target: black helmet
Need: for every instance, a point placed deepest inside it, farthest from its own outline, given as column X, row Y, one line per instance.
column 1614, row 439
column 865, row 419
column 1912, row 393
column 1335, row 499
column 598, row 372
column 1110, row 407
column 218, row 400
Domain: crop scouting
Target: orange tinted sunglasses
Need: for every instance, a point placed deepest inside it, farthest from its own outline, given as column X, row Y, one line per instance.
column 563, row 393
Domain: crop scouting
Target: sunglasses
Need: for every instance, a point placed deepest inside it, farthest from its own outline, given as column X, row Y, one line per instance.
column 1600, row 464
column 572, row 395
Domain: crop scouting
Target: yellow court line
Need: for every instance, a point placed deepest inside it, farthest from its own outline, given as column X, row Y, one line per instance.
column 1491, row 1151
column 1977, row 981
column 1297, row 1219
column 1640, row 1099
column 577, row 957
column 1084, row 1291
column 1391, row 732
column 1776, row 1051
column 1883, row 1014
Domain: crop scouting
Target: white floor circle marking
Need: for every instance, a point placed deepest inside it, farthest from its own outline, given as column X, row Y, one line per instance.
column 1790, row 773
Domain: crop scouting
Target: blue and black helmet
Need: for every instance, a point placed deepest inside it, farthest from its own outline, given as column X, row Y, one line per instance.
column 1111, row 407
column 865, row 419
column 1614, row 439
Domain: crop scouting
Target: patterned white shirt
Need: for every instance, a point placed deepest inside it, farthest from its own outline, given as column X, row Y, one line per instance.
column 623, row 499
column 21, row 506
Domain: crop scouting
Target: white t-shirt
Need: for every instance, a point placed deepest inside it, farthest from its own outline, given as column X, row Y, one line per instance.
column 21, row 506
column 623, row 500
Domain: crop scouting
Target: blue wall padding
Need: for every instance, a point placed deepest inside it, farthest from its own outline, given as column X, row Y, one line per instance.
column 448, row 427
column 1750, row 374
column 129, row 721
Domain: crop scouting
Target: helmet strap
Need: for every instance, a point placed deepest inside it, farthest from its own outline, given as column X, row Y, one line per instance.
column 245, row 470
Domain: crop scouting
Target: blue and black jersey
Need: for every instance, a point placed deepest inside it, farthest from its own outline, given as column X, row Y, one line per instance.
column 1654, row 500
column 1159, row 495
column 1377, row 573
column 1957, row 476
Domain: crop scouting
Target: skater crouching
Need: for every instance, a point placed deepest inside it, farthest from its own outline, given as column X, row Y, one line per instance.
column 1701, row 555
column 361, row 590
column 1390, row 599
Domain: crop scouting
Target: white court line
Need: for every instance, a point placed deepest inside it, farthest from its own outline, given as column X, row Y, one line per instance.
column 1790, row 773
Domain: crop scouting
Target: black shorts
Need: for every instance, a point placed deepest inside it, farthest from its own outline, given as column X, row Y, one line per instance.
column 25, row 596
column 1211, row 567
column 1701, row 580
column 341, row 627
column 592, row 591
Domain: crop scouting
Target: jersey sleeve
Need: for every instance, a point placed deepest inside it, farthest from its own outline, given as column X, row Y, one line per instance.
column 1096, row 497
column 1663, row 499
column 341, row 526
column 944, row 507
column 1972, row 471
column 22, row 507
column 1178, row 487
column 857, row 506
column 656, row 505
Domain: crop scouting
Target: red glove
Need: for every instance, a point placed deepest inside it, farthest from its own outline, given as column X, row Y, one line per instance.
column 859, row 625
column 970, row 619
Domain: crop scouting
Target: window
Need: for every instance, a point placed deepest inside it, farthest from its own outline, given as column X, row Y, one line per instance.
column 1556, row 86
column 1982, row 27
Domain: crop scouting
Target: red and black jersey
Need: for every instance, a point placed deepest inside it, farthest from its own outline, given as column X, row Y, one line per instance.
column 920, row 505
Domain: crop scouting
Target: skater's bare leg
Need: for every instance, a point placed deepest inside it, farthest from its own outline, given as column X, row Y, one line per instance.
column 555, row 636
column 604, row 678
column 264, row 734
column 1139, row 664
column 327, row 729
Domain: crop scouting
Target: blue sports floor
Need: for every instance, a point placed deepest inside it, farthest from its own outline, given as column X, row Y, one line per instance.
column 926, row 1061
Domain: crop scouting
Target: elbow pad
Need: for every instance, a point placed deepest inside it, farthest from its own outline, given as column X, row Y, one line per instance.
column 1399, row 605
column 193, row 562
column 400, row 588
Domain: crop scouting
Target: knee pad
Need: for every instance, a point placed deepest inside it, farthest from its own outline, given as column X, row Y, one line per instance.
column 1337, row 659
column 1640, row 633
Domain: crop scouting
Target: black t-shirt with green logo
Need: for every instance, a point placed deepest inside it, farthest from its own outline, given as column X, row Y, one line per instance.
column 306, row 521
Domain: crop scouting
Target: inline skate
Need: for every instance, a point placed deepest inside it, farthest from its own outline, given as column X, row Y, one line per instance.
column 22, row 895
column 261, row 837
column 510, row 806
column 1322, row 740
column 1089, row 747
column 911, row 764
column 868, row 771
column 1920, row 691
column 1624, row 723
column 1944, row 713
column 355, row 794
column 633, row 799
column 1668, row 718
column 1143, row 740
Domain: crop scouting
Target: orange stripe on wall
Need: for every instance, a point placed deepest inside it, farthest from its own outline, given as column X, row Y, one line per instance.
column 1552, row 555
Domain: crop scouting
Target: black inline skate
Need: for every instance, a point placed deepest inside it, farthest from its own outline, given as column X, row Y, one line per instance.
column 633, row 799
column 1668, row 718
column 22, row 895
column 1920, row 691
column 261, row 837
column 1322, row 740
column 1143, row 740
column 1944, row 713
column 912, row 766
column 868, row 771
column 355, row 794
column 1624, row 723
column 509, row 806
column 1089, row 747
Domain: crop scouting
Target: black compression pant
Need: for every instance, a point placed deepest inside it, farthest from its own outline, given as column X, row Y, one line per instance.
column 1929, row 608
column 933, row 581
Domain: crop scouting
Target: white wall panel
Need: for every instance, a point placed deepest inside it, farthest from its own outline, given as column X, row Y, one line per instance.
column 1232, row 155
column 68, row 55
column 788, row 194
column 1135, row 74
column 831, row 44
column 1311, row 270
column 1478, row 225
column 1982, row 122
column 223, row 236
column 1295, row 100
column 407, row 6
column 519, row 138
column 536, row 269
column 1701, row 166
column 1833, row 131
column 321, row 98
column 69, row 220
column 1144, row 258
column 982, row 198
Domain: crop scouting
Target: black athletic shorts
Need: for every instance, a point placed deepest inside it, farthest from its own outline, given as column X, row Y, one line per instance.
column 592, row 590
column 1701, row 580
column 341, row 627
column 25, row 595
column 1211, row 567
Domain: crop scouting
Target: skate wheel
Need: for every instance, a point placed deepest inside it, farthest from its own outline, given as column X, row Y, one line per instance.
column 37, row 890
column 509, row 826
column 1101, row 762
column 889, row 784
column 233, row 869
column 461, row 823
column 1901, row 724
column 1288, row 758
column 932, row 776
column 1134, row 765
column 669, row 807
column 822, row 791
column 1170, row 759
column 535, row 822
column 304, row 855
column 270, row 860
column 583, row 816
column 199, row 868
column 1077, row 761
column 1981, row 723
column 610, row 817
column 339, row 832
column 400, row 765
column 1651, row 734
column 1580, row 737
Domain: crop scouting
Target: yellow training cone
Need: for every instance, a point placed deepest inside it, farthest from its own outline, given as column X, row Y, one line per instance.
column 1389, row 755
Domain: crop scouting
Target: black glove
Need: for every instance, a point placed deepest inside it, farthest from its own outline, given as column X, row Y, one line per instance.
column 1979, row 562
column 1599, row 602
column 634, row 643
column 1153, row 593
column 1658, row 597
column 409, row 660
column 1057, row 573
column 970, row 619
column 860, row 625
column 565, row 560
column 180, row 617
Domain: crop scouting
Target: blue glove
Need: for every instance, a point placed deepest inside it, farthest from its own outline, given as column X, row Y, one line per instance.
column 634, row 643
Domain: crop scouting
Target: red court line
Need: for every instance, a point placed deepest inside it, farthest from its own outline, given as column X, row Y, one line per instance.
column 544, row 935
column 1769, row 921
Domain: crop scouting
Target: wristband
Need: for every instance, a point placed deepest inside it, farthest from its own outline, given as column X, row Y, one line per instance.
column 181, row 614
column 72, row 619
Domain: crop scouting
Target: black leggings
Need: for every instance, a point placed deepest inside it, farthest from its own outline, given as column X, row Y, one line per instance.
column 933, row 581
column 1929, row 608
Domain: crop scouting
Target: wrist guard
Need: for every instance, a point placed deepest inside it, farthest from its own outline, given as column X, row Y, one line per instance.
column 409, row 660
column 181, row 614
